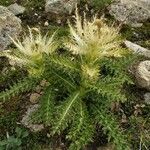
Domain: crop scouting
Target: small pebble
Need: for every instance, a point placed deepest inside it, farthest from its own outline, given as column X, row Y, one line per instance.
column 35, row 14
column 34, row 98
column 44, row 83
column 48, row 135
column 46, row 24
column 147, row 98
column 38, row 89
column 59, row 21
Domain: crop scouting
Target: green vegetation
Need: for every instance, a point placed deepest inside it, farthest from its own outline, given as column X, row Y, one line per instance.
column 140, row 35
column 89, row 98
column 33, row 4
column 100, row 4
column 97, row 5
column 29, row 4
column 14, row 142
column 84, row 80
column 6, row 2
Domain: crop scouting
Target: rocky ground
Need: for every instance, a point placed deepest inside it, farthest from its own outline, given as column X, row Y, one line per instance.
column 50, row 15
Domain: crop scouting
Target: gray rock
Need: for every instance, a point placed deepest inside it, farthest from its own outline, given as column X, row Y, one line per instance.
column 60, row 7
column 142, row 74
column 137, row 49
column 16, row 9
column 10, row 26
column 131, row 12
column 147, row 98
column 27, row 122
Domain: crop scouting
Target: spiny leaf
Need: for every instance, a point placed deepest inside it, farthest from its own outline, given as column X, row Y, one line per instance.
column 109, row 87
column 65, row 63
column 66, row 112
column 20, row 87
column 111, row 127
column 82, row 129
column 46, row 109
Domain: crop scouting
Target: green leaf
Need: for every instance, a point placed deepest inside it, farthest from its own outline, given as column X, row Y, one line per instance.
column 46, row 110
column 108, row 87
column 81, row 130
column 3, row 142
column 111, row 127
column 66, row 111
column 20, row 87
column 65, row 63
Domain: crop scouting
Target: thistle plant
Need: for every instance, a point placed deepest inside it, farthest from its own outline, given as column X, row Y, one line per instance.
column 83, row 82
column 29, row 52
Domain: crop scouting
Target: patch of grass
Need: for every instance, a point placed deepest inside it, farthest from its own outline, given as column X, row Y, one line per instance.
column 6, row 2
column 61, row 32
column 29, row 4
column 7, row 122
column 15, row 141
column 33, row 4
column 101, row 4
column 139, row 35
column 139, row 132
column 97, row 5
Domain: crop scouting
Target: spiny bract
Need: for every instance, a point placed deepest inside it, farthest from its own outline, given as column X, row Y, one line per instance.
column 29, row 52
column 94, row 38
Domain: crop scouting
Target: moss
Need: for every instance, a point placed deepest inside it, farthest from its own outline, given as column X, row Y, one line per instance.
column 99, row 4
column 29, row 4
column 60, row 31
column 7, row 123
column 37, row 5
column 139, row 35
column 6, row 2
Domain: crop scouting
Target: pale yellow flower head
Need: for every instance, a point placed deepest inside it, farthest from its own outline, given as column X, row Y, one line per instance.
column 94, row 38
column 29, row 52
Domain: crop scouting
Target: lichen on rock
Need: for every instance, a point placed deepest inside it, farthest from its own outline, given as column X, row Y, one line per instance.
column 27, row 122
column 131, row 12
column 10, row 26
column 60, row 6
